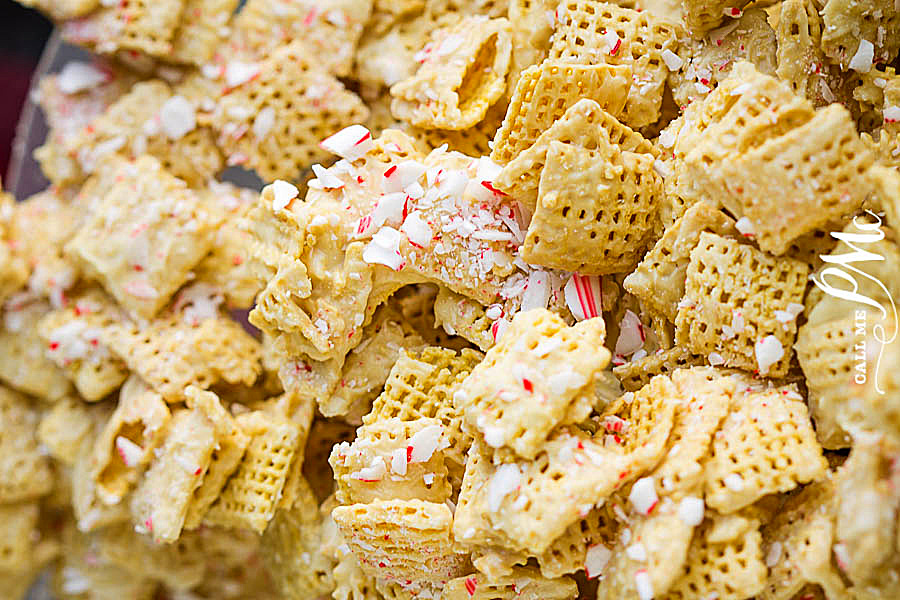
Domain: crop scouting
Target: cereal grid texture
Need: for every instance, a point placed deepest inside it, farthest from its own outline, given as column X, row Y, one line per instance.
column 528, row 300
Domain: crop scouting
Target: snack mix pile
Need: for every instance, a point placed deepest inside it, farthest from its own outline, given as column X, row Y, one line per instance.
column 541, row 300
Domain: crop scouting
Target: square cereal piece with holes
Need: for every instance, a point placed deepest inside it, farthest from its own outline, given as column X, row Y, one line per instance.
column 328, row 31
column 521, row 506
column 734, row 295
column 591, row 32
column 859, row 34
column 393, row 460
column 18, row 528
column 72, row 336
column 160, row 502
column 700, row 16
column 462, row 73
column 532, row 22
column 701, row 64
column 62, row 10
column 126, row 442
column 201, row 30
column 141, row 26
column 400, row 540
column 826, row 355
column 276, row 112
column 25, row 472
column 635, row 374
column 659, row 279
column 463, row 316
column 64, row 427
column 706, row 400
column 293, row 550
column 582, row 125
column 793, row 543
column 170, row 354
column 530, row 382
column 654, row 554
column 568, row 553
column 595, row 211
column 545, row 92
column 151, row 118
column 23, row 361
column 798, row 35
column 179, row 566
column 522, row 583
column 368, row 365
column 728, row 569
column 422, row 385
column 144, row 236
column 743, row 112
column 796, row 183
column 231, row 440
column 252, row 494
column 775, row 425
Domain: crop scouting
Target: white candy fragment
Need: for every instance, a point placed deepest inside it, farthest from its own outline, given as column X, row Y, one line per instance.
column 734, row 482
column 264, row 122
column 672, row 60
column 745, row 226
column 129, row 452
column 283, row 192
column 349, row 143
column 644, row 585
column 374, row 472
column 417, row 229
column 537, row 291
column 79, row 76
column 177, row 117
column 384, row 249
column 583, row 296
column 424, row 443
column 325, row 179
column 643, row 495
column 690, row 510
column 596, row 559
column 862, row 60
column 631, row 334
column 398, row 461
column 768, row 352
column 238, row 73
column 636, row 552
column 505, row 481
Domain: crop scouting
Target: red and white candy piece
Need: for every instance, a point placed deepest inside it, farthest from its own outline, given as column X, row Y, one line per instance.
column 595, row 560
column 631, row 334
column 128, row 451
column 349, row 143
column 583, row 296
column 283, row 193
column 643, row 495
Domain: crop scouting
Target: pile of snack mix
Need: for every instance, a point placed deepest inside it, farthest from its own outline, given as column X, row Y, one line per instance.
column 547, row 300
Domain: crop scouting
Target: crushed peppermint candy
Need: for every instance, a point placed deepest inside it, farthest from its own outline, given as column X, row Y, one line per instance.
column 263, row 123
column 561, row 383
column 583, row 296
column 745, row 226
column 177, row 117
column 643, row 584
column 505, row 481
column 350, row 143
column 283, row 193
column 631, row 334
column 596, row 559
column 691, row 509
column 424, row 443
column 636, row 552
column 537, row 291
column 672, row 60
column 791, row 312
column 130, row 453
column 374, row 472
column 715, row 359
column 398, row 461
column 768, row 352
column 238, row 73
column 862, row 60
column 773, row 555
column 417, row 229
column 643, row 495
column 384, row 249
column 734, row 482
column 325, row 179
column 891, row 114
column 78, row 76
